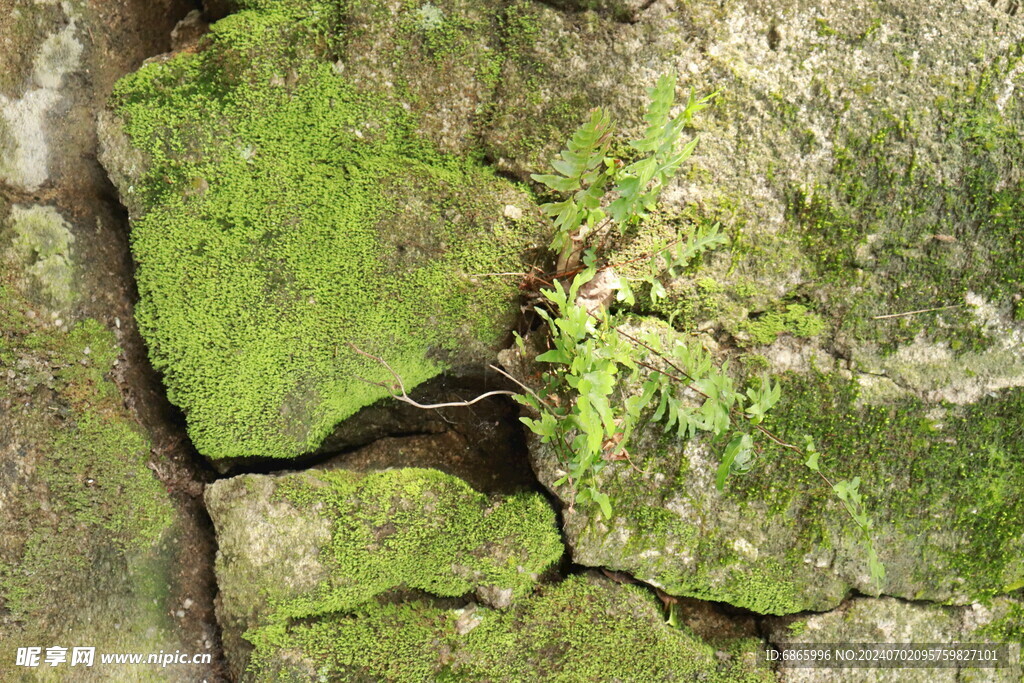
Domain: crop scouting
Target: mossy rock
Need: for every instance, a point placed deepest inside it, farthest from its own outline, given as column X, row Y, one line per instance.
column 879, row 173
column 303, row 545
column 90, row 538
column 582, row 629
column 284, row 216
column 944, row 491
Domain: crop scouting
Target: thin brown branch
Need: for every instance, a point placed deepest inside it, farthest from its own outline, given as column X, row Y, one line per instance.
column 404, row 397
column 508, row 376
column 923, row 310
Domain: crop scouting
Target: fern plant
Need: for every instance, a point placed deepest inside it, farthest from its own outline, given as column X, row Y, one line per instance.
column 582, row 411
column 586, row 417
column 584, row 170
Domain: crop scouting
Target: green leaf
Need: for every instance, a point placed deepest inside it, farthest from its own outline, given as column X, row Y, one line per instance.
column 554, row 356
column 812, row 461
column 624, row 292
column 602, row 500
column 557, row 183
column 737, row 450
column 657, row 291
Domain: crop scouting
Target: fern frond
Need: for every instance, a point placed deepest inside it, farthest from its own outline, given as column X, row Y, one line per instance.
column 586, row 151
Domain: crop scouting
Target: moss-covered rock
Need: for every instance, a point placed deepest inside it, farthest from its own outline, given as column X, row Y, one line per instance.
column 283, row 213
column 89, row 538
column 307, row 544
column 943, row 488
column 582, row 629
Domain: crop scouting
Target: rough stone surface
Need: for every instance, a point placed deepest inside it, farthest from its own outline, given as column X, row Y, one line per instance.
column 863, row 158
column 864, row 162
column 301, row 545
column 885, row 620
column 775, row 540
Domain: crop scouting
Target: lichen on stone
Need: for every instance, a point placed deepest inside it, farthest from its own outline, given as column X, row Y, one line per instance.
column 43, row 241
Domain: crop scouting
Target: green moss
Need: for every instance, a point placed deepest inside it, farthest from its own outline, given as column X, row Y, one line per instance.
column 579, row 630
column 288, row 215
column 88, row 526
column 386, row 642
column 958, row 481
column 795, row 320
column 98, row 475
column 420, row 529
column 890, row 232
column 1009, row 628
column 767, row 588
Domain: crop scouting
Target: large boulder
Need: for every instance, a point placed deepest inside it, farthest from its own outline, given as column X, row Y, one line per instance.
column 865, row 162
column 300, row 241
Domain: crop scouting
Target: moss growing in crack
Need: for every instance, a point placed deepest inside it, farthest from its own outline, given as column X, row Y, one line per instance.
column 421, row 529
column 578, row 630
column 287, row 213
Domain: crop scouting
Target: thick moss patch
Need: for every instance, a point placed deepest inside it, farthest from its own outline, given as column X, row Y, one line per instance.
column 579, row 630
column 287, row 213
column 424, row 530
column 309, row 544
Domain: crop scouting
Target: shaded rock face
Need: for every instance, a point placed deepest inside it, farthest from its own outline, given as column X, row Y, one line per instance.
column 302, row 545
column 99, row 532
column 886, row 620
column 296, row 235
